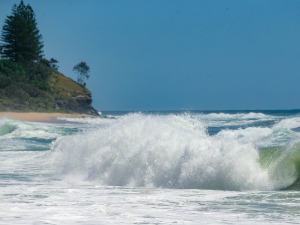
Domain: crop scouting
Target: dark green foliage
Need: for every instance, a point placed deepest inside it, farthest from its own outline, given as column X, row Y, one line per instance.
column 52, row 63
column 38, row 74
column 11, row 72
column 21, row 37
column 35, row 75
column 82, row 70
column 4, row 81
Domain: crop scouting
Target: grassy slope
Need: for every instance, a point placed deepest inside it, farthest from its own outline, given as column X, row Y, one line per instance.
column 64, row 95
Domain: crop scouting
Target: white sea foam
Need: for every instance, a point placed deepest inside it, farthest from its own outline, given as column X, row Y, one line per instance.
column 248, row 135
column 73, row 183
column 234, row 119
column 161, row 151
column 289, row 123
column 236, row 116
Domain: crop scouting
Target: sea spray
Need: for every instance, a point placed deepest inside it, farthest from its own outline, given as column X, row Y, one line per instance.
column 171, row 151
column 64, row 172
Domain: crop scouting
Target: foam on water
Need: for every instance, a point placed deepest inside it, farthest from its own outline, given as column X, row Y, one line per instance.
column 25, row 136
column 161, row 151
column 289, row 123
column 66, row 173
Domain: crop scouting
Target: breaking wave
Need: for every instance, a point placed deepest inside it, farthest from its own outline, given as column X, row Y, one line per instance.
column 172, row 151
column 6, row 127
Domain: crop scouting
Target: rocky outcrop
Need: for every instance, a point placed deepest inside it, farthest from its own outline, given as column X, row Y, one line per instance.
column 71, row 96
column 79, row 104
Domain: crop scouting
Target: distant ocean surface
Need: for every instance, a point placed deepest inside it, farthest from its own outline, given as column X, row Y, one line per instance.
column 174, row 167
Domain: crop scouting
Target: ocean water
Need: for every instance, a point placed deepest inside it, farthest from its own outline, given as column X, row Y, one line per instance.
column 231, row 167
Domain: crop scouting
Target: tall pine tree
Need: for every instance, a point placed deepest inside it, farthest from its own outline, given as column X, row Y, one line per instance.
column 21, row 37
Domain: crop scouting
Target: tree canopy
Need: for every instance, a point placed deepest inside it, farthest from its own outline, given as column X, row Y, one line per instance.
column 82, row 70
column 21, row 37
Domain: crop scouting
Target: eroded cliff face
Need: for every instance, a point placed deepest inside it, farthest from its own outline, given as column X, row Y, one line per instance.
column 79, row 103
column 68, row 95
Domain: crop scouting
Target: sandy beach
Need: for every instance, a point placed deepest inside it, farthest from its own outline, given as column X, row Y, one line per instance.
column 40, row 116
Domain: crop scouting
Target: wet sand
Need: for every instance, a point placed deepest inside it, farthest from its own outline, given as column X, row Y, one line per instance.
column 40, row 116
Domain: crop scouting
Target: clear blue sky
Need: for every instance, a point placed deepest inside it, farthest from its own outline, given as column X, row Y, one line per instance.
column 177, row 54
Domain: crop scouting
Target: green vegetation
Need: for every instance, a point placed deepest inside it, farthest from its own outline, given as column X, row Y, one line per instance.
column 29, row 82
column 83, row 72
column 21, row 89
column 23, row 42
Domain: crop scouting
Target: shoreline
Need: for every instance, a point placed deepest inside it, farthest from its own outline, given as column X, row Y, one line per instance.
column 42, row 116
